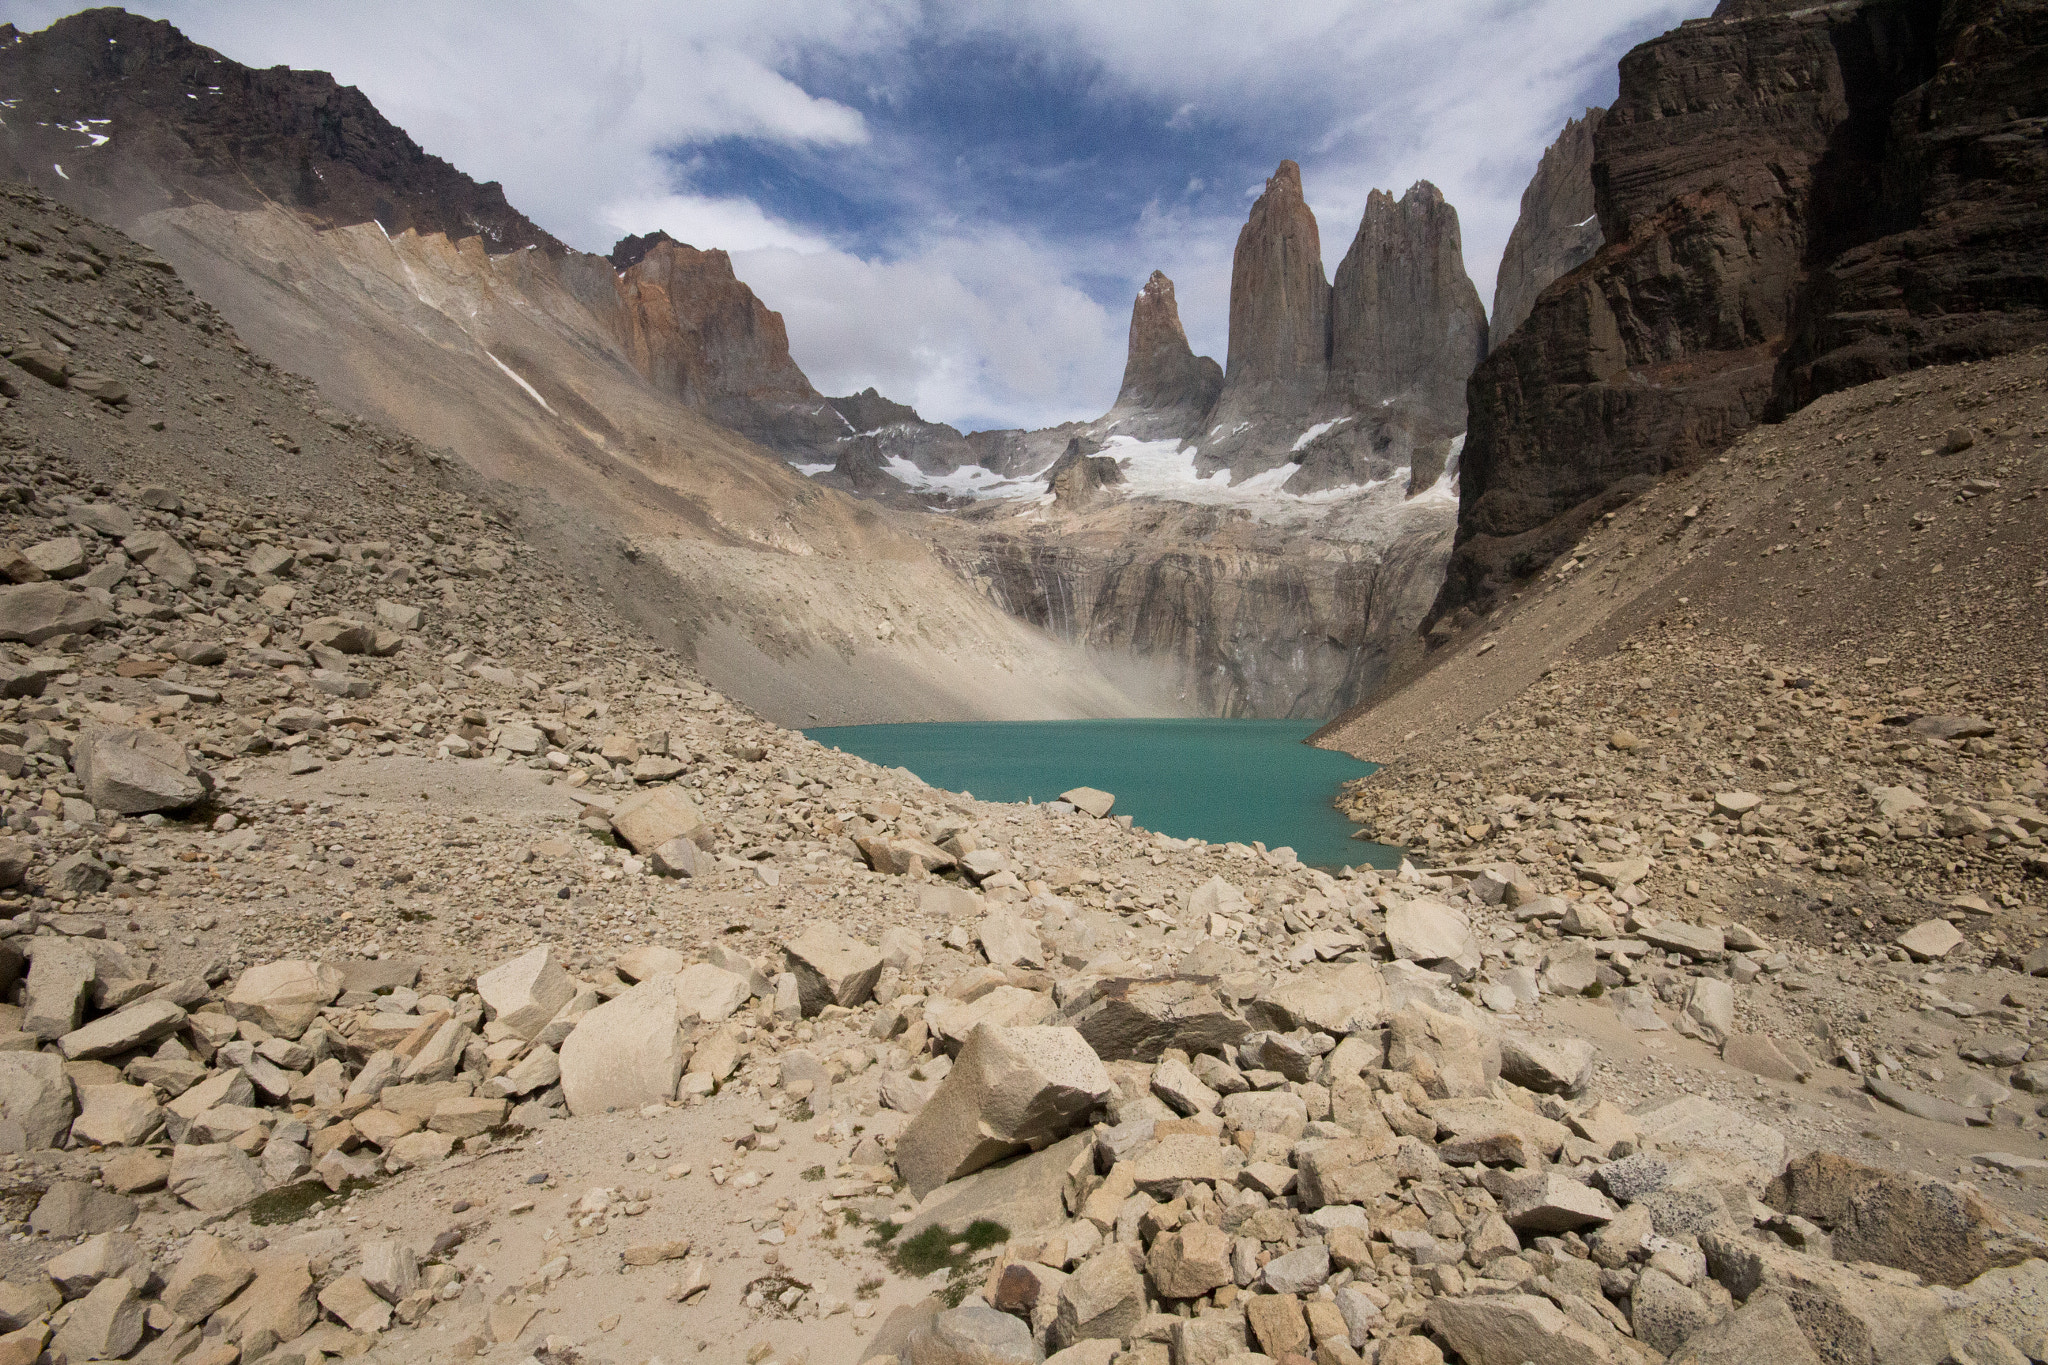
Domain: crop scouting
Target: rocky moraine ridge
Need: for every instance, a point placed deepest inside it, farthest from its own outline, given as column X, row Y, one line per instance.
column 408, row 966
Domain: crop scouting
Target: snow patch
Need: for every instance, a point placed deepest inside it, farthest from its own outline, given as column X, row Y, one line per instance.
column 531, row 391
column 1302, row 441
column 812, row 471
column 1588, row 220
column 968, row 481
column 1445, row 489
column 58, row 169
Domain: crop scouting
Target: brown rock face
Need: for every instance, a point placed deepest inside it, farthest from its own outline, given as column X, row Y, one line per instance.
column 1792, row 199
column 251, row 137
column 696, row 331
column 1076, row 480
column 1279, row 324
column 1406, row 325
column 1943, row 261
column 1167, row 388
column 1557, row 231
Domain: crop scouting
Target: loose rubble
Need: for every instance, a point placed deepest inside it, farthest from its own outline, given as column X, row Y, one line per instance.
column 374, row 996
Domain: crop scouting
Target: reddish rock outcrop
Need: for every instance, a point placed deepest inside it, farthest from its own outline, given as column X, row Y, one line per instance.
column 1792, row 198
column 1279, row 327
column 693, row 328
column 1167, row 388
column 1557, row 231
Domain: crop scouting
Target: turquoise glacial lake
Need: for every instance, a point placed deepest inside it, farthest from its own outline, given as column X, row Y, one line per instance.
column 1219, row 780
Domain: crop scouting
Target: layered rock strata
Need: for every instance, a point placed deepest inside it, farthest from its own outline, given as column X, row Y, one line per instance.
column 1792, row 199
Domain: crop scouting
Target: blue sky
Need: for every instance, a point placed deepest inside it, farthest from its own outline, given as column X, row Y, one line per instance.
column 957, row 202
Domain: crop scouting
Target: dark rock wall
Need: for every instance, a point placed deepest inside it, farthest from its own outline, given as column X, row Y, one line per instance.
column 1791, row 201
column 186, row 125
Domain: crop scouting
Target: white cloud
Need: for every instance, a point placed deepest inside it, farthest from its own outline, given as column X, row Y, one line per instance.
column 573, row 104
column 983, row 330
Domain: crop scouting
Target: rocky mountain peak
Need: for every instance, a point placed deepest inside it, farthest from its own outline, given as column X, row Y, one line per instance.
column 1167, row 388
column 631, row 250
column 1406, row 325
column 1558, row 228
column 698, row 332
column 175, row 123
column 1279, row 297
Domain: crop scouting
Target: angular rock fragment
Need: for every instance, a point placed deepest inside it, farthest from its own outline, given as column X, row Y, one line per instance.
column 832, row 968
column 626, row 1053
column 138, row 771
column 1008, row 1090
column 524, row 994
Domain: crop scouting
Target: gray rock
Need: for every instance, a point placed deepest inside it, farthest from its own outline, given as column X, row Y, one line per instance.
column 283, row 997
column 650, row 820
column 1762, row 1330
column 1550, row 1066
column 1633, row 1177
column 1103, row 1298
column 104, row 1325
column 214, row 1177
column 58, row 979
column 1514, row 1329
column 522, row 995
column 97, row 1258
column 1930, row 1107
column 1427, row 931
column 1931, row 940
column 70, row 1208
column 1010, row 1088
column 35, row 1101
column 116, row 1115
column 832, row 968
column 1664, row 1313
column 1676, row 936
column 1137, row 1020
column 35, row 612
column 973, row 1334
column 1544, row 1201
column 626, row 1053
column 122, row 1031
column 1301, row 1271
column 136, row 771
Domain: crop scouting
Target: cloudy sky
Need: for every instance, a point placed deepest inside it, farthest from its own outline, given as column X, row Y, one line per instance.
column 956, row 202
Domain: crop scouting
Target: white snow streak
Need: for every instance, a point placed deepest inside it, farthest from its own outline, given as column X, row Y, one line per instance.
column 532, row 392
column 1302, row 441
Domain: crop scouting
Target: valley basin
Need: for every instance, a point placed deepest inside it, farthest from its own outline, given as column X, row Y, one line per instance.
column 1221, row 780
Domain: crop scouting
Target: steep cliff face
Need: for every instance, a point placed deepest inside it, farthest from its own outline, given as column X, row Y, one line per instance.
column 1942, row 260
column 142, row 118
column 1557, row 231
column 1406, row 325
column 1743, row 156
column 1242, row 617
column 1167, row 388
column 1279, row 332
column 696, row 331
